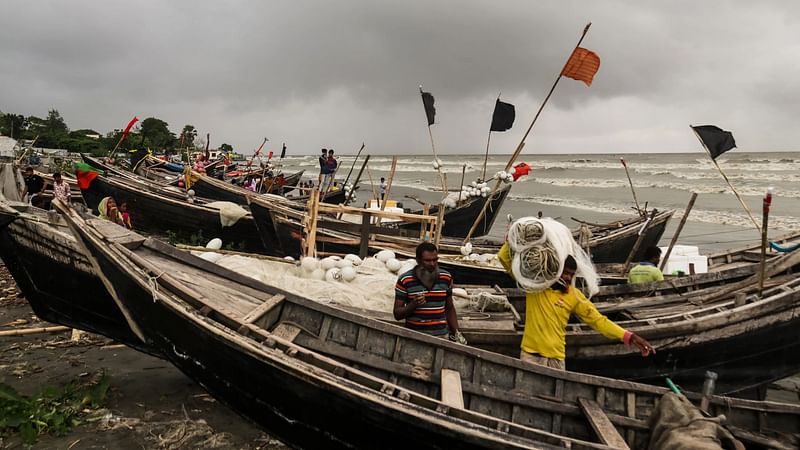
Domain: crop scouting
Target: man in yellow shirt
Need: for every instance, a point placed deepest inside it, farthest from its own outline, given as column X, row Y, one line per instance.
column 647, row 271
column 547, row 313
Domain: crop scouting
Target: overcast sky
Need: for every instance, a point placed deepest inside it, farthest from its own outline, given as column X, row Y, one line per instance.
column 335, row 73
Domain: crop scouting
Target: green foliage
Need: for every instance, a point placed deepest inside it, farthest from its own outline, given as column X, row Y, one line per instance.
column 194, row 239
column 51, row 410
column 156, row 134
column 12, row 125
column 188, row 134
column 227, row 148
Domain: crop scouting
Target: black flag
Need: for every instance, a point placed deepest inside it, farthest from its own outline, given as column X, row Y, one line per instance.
column 503, row 117
column 430, row 110
column 283, row 150
column 716, row 140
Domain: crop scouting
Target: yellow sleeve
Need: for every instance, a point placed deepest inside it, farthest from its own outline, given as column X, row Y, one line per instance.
column 504, row 256
column 586, row 311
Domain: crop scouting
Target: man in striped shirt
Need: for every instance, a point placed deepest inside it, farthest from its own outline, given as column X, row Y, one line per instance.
column 423, row 296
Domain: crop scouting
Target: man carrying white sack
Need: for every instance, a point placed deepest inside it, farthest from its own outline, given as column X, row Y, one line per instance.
column 548, row 308
column 424, row 297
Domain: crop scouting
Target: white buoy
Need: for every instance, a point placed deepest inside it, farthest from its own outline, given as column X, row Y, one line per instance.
column 466, row 249
column 460, row 292
column 317, row 274
column 384, row 255
column 309, row 264
column 334, row 274
column 353, row 259
column 393, row 264
column 342, row 263
column 211, row 256
column 288, row 258
column 327, row 263
column 214, row 244
column 348, row 274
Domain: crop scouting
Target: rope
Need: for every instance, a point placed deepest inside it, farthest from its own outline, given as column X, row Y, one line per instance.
column 153, row 282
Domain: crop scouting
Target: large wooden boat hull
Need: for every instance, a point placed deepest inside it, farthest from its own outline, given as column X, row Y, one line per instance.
column 157, row 214
column 320, row 377
column 458, row 221
column 289, row 233
column 57, row 279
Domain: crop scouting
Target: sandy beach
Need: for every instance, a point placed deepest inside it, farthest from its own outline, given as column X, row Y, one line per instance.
column 150, row 404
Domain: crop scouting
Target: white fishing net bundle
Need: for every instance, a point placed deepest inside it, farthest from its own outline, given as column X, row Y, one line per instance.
column 539, row 248
column 229, row 213
column 371, row 289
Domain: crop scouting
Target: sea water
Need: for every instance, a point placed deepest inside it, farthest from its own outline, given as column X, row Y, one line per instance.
column 595, row 188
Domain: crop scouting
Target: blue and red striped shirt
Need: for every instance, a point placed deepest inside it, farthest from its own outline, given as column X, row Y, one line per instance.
column 429, row 318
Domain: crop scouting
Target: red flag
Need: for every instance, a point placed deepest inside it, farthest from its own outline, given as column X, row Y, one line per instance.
column 85, row 174
column 130, row 125
column 582, row 65
column 269, row 155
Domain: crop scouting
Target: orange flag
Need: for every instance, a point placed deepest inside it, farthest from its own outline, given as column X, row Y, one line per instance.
column 582, row 65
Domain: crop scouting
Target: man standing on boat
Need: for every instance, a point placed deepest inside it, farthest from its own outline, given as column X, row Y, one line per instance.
column 647, row 270
column 423, row 296
column 323, row 166
column 548, row 311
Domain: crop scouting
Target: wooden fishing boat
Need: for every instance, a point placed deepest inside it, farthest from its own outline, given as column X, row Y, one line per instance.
column 56, row 277
column 318, row 377
column 153, row 211
column 459, row 220
column 749, row 341
column 277, row 184
column 285, row 223
column 212, row 188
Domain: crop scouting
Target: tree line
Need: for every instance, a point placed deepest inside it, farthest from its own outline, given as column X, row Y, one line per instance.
column 53, row 132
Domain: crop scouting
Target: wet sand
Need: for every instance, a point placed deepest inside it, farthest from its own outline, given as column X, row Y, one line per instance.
column 150, row 404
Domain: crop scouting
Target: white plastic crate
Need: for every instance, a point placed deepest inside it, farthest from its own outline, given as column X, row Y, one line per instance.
column 677, row 263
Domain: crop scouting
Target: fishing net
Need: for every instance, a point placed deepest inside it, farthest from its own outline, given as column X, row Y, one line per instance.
column 539, row 248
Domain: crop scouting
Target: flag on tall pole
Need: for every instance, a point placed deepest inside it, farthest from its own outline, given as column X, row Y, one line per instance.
column 717, row 141
column 502, row 120
column 124, row 134
column 427, row 102
column 128, row 128
column 283, row 150
column 503, row 116
column 430, row 113
column 582, row 65
column 575, row 68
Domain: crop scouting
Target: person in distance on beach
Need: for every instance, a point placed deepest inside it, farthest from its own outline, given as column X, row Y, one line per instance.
column 548, row 311
column 647, row 271
column 423, row 296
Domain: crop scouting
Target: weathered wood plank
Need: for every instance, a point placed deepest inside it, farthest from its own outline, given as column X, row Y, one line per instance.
column 605, row 430
column 452, row 394
column 286, row 331
column 263, row 308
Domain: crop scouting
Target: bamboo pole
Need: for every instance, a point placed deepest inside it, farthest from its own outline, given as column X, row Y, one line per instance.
column 372, row 183
column 353, row 165
column 460, row 186
column 388, row 188
column 638, row 210
column 355, row 184
column 522, row 141
column 38, row 330
column 725, row 177
column 678, row 231
column 635, row 249
column 766, row 203
column 311, row 224
column 30, row 146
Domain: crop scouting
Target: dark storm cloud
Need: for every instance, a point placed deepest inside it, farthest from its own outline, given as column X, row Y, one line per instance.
column 317, row 73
